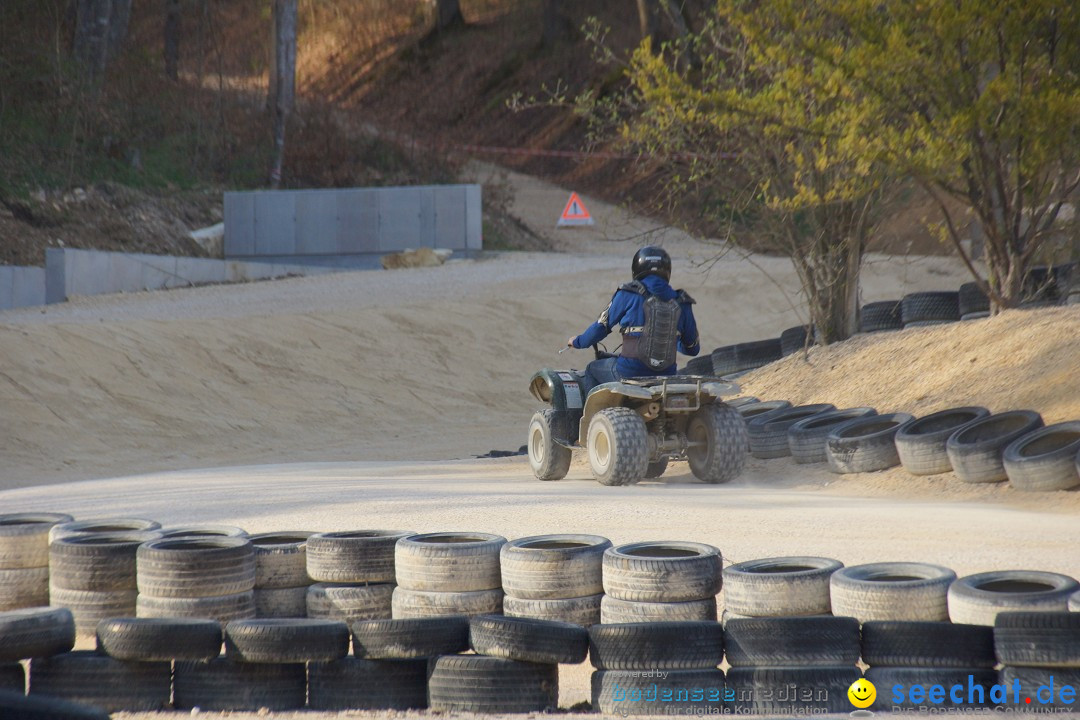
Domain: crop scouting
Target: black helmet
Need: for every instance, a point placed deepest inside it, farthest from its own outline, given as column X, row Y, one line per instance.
column 651, row 260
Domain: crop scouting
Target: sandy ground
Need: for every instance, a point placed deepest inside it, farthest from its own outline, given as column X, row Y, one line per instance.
column 356, row 400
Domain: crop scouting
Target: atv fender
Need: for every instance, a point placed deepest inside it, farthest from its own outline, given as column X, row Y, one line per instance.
column 613, row 394
column 549, row 386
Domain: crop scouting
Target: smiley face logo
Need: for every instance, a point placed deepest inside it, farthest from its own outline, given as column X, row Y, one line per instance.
column 862, row 693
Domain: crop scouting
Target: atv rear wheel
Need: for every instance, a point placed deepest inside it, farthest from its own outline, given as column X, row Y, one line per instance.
column 723, row 439
column 549, row 460
column 618, row 446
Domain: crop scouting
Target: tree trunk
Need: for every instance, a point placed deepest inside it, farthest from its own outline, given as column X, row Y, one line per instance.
column 100, row 30
column 285, row 12
column 647, row 20
column 447, row 13
column 172, row 39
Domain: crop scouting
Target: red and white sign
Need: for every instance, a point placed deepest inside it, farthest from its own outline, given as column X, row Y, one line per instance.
column 575, row 213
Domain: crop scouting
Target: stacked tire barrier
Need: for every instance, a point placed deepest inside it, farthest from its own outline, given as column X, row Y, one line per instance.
column 894, row 591
column 281, row 577
column 207, row 577
column 920, row 442
column 1040, row 650
column 515, row 668
column 778, row 587
column 978, row 599
column 928, row 654
column 24, row 558
column 769, row 433
column 448, row 574
column 929, row 308
column 807, row 438
column 94, row 575
column 880, row 316
column 554, row 577
column 766, row 654
column 656, row 581
column 631, row 658
column 104, row 525
column 866, row 444
column 354, row 573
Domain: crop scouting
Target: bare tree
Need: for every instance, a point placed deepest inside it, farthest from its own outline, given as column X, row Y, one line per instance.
column 447, row 13
column 283, row 85
column 100, row 30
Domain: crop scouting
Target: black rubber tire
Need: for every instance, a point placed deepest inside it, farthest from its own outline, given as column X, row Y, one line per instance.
column 1033, row 679
column 657, row 646
column 976, row 450
column 662, row 572
column 410, row 639
column 746, row 356
column 769, row 435
column 357, row 556
column 222, row 684
column 334, row 601
column 783, row 586
column 723, row 430
column 920, row 442
column 617, row 446
column 24, row 539
column 865, row 444
column 538, row 641
column 690, row 692
column 197, row 567
column 112, row 685
column 286, row 640
column 584, row 611
column 220, row 608
column 280, row 602
column 880, row 316
column 1045, row 460
column 892, row 591
column 971, row 299
column 1074, row 602
column 159, row 639
column 741, row 401
column 975, row 316
column 758, row 410
column 95, row 563
column 281, row 560
column 89, row 607
column 885, row 678
column 1040, row 286
column 806, row 438
column 408, row 604
column 613, row 611
column 357, row 684
column 103, row 525
column 930, row 307
column 794, row 339
column 16, row 706
column 548, row 459
column 762, row 685
column 24, row 588
column 12, row 678
column 553, row 567
column 977, row 599
column 1038, row 639
column 470, row 683
column 792, row 641
column 201, row 531
column 449, row 562
column 35, row 632
column 927, row 644
column 698, row 366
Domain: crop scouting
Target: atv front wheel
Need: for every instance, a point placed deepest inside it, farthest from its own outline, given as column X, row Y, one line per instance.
column 720, row 454
column 618, row 446
column 549, row 460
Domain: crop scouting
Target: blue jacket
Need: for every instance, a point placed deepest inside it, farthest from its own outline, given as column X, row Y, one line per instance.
column 627, row 309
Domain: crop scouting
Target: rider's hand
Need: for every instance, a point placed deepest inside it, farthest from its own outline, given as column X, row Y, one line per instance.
column 570, row 342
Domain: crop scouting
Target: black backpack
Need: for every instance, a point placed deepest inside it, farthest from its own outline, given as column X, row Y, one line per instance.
column 659, row 339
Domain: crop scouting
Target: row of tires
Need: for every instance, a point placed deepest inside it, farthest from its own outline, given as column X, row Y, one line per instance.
column 575, row 578
column 1044, row 286
column 414, row 663
column 975, row 444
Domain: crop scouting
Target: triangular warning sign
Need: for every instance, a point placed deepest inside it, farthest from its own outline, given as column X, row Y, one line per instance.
column 575, row 213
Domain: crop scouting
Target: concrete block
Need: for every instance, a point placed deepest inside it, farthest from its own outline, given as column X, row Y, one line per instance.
column 316, row 222
column 88, row 272
column 275, row 223
column 159, row 272
column 358, row 220
column 399, row 218
column 7, row 287
column 450, row 215
column 200, row 271
column 55, row 276
column 428, row 221
column 126, row 272
column 239, row 224
column 474, row 218
column 29, row 287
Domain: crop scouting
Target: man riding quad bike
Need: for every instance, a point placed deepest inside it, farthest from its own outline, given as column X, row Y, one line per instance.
column 631, row 411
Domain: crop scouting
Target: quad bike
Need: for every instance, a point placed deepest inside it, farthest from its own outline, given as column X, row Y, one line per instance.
column 633, row 427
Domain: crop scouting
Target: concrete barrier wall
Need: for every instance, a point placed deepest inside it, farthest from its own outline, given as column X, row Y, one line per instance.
column 353, row 221
column 21, row 286
column 69, row 273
